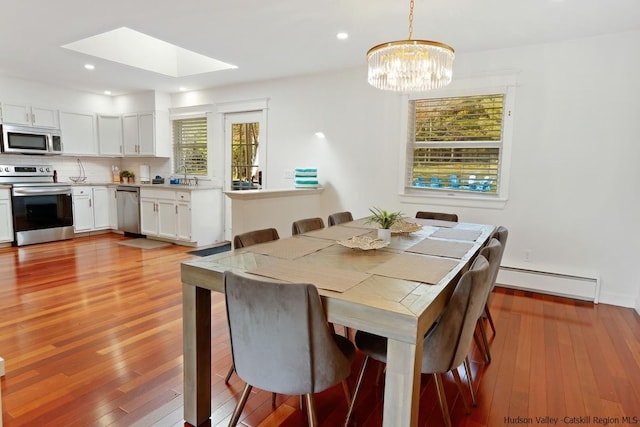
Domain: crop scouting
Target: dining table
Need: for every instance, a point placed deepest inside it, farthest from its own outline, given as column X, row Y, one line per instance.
column 395, row 289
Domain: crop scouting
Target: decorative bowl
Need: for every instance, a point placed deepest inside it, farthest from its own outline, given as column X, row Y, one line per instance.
column 363, row 242
column 405, row 227
column 78, row 179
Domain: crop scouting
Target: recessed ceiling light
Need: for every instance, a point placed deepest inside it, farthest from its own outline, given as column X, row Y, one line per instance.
column 182, row 88
column 320, row 135
column 89, row 66
column 107, row 92
column 342, row 36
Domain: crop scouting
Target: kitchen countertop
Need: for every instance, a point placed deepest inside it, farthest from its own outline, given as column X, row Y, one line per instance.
column 155, row 186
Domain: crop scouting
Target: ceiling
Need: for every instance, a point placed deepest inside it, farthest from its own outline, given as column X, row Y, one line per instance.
column 280, row 38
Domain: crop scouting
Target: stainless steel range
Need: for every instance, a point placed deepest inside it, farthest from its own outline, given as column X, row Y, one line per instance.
column 42, row 209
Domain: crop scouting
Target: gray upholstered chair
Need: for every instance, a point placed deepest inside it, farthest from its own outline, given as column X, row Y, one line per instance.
column 339, row 218
column 446, row 345
column 501, row 234
column 437, row 215
column 254, row 237
column 281, row 341
column 492, row 251
column 242, row 241
column 305, row 225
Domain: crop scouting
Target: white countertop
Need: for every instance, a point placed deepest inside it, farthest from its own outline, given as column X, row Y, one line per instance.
column 155, row 186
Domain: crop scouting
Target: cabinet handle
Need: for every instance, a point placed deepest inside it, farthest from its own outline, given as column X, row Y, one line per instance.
column 89, row 202
column 176, row 209
column 26, row 117
column 33, row 118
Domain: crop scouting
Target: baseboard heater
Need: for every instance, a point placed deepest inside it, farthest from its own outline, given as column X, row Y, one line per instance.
column 578, row 287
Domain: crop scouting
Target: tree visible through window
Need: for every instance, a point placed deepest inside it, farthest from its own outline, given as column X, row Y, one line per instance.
column 456, row 143
column 190, row 146
column 244, row 160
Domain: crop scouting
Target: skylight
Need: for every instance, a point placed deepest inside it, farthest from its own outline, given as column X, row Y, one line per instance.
column 133, row 48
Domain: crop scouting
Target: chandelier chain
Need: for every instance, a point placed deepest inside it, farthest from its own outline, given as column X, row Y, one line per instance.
column 411, row 19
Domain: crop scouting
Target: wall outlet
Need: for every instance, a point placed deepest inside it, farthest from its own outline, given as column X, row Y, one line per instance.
column 288, row 174
column 527, row 255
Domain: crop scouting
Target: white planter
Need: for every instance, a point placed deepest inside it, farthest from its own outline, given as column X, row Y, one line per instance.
column 384, row 234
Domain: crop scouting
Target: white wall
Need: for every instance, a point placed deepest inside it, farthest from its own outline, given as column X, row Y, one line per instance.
column 573, row 199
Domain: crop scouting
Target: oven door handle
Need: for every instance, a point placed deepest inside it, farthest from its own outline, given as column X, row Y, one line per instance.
column 49, row 191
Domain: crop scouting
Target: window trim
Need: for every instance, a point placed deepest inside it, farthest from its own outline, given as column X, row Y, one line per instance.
column 191, row 112
column 465, row 87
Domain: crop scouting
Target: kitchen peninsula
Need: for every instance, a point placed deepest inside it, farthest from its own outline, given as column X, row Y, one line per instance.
column 277, row 208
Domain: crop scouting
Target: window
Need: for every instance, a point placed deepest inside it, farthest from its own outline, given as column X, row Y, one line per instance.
column 190, row 146
column 244, row 161
column 456, row 144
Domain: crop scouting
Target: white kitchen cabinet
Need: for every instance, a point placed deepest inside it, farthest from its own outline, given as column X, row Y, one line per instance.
column 146, row 134
column 184, row 216
column 183, row 221
column 148, row 216
column 101, row 208
column 82, row 209
column 130, row 134
column 78, row 133
column 113, row 208
column 92, row 208
column 6, row 223
column 110, row 135
column 30, row 115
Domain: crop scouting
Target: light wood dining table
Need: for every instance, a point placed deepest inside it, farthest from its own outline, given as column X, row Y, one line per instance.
column 397, row 292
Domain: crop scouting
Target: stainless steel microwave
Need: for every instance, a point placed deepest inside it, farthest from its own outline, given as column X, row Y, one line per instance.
column 30, row 140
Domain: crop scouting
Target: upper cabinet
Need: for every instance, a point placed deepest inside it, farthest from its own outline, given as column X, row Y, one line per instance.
column 110, row 135
column 30, row 115
column 146, row 134
column 78, row 133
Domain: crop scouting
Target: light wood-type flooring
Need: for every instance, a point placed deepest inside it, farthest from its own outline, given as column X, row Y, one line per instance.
column 91, row 333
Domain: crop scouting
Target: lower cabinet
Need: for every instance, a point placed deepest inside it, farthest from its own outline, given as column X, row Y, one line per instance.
column 6, row 223
column 93, row 208
column 174, row 215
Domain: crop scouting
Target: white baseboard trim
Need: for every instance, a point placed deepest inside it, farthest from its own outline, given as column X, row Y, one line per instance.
column 1, row 367
column 566, row 285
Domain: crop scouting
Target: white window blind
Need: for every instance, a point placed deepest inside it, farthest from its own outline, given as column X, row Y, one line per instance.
column 455, row 143
column 190, row 146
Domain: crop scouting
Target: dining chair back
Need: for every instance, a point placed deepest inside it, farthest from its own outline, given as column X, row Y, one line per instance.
column 281, row 341
column 494, row 255
column 254, row 237
column 442, row 216
column 446, row 345
column 339, row 218
column 305, row 225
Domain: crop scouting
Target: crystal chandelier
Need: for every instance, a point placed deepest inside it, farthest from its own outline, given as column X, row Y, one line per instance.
column 410, row 65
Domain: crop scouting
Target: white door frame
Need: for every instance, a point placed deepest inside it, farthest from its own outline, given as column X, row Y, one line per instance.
column 253, row 110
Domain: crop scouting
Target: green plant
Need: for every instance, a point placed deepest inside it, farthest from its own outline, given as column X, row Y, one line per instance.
column 383, row 218
column 125, row 174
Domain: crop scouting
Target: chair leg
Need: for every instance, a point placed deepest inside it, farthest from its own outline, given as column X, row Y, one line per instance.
column 232, row 368
column 240, row 406
column 443, row 400
column 357, row 390
column 467, row 368
column 456, row 376
column 347, row 392
column 488, row 314
column 311, row 410
column 273, row 399
column 485, row 341
column 479, row 344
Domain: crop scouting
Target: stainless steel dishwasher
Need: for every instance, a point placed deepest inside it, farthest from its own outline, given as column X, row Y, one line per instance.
column 128, row 202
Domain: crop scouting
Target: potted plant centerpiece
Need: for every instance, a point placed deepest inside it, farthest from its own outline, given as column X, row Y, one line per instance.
column 384, row 220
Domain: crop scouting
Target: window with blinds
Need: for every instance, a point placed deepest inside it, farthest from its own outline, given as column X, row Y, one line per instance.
column 190, row 146
column 455, row 143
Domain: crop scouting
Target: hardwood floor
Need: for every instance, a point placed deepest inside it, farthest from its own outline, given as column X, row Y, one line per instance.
column 90, row 331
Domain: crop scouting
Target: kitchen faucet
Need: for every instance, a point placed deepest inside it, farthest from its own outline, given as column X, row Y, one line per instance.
column 184, row 169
